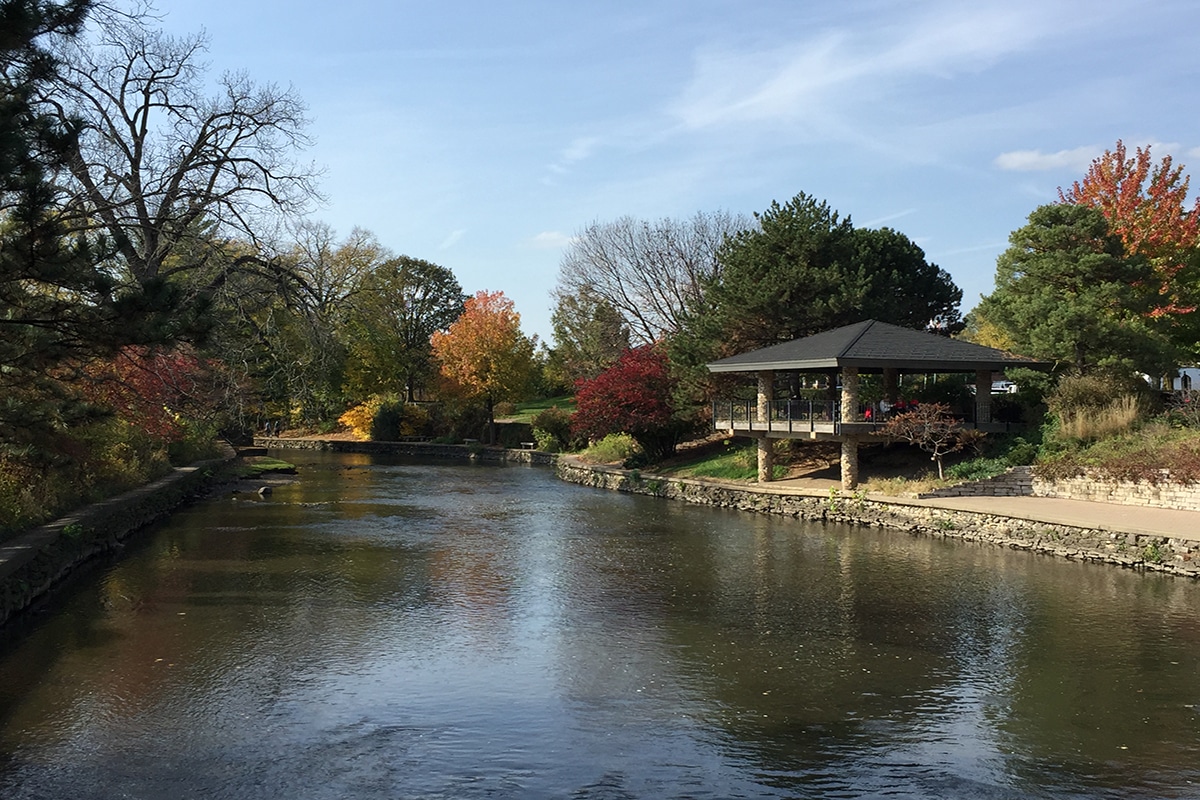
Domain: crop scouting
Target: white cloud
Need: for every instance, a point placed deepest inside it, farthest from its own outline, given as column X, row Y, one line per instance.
column 550, row 240
column 808, row 80
column 875, row 223
column 579, row 149
column 1076, row 160
column 454, row 238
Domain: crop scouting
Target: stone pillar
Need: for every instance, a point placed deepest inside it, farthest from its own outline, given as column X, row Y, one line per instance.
column 766, row 453
column 849, row 440
column 983, row 396
column 849, row 462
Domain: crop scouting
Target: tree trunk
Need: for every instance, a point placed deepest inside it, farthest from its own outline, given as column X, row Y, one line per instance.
column 491, row 429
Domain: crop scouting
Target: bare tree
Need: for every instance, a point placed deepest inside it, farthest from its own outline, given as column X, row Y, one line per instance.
column 159, row 160
column 650, row 272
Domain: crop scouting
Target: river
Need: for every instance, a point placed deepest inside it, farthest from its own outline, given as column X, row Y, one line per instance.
column 388, row 629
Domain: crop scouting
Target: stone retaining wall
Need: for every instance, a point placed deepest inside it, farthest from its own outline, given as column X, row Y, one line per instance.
column 1021, row 482
column 1162, row 554
column 1183, row 496
column 457, row 452
column 33, row 563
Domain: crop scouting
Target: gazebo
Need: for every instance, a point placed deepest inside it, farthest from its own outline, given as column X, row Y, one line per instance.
column 868, row 347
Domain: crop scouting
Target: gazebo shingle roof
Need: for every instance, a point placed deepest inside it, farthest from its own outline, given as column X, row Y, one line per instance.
column 873, row 346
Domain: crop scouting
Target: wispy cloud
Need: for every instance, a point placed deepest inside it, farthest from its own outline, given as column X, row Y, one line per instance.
column 550, row 240
column 580, row 149
column 875, row 223
column 454, row 238
column 810, row 78
column 1076, row 160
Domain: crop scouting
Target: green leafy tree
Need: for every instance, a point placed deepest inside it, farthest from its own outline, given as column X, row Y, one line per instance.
column 589, row 336
column 803, row 270
column 1067, row 291
column 399, row 305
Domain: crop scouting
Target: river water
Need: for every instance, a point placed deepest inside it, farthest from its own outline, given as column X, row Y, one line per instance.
column 387, row 629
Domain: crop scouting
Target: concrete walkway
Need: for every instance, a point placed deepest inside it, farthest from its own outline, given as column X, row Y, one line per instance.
column 1142, row 520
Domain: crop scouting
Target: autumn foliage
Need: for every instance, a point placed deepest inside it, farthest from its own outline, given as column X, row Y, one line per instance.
column 484, row 354
column 150, row 388
column 633, row 396
column 1147, row 207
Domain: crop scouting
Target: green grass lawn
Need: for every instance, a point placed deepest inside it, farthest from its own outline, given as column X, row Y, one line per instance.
column 733, row 462
column 527, row 411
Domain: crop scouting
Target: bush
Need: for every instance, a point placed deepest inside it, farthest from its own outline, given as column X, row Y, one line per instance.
column 384, row 418
column 360, row 418
column 1021, row 453
column 614, row 448
column 385, row 423
column 977, row 469
column 552, row 430
column 416, row 421
column 504, row 409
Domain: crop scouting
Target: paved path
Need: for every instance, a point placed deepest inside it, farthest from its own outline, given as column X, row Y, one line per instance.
column 1082, row 513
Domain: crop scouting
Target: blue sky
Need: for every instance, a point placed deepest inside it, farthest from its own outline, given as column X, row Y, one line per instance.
column 482, row 135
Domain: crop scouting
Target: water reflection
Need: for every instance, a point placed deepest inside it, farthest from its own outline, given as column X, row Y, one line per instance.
column 388, row 629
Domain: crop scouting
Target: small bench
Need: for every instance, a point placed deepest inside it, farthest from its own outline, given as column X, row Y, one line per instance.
column 528, row 445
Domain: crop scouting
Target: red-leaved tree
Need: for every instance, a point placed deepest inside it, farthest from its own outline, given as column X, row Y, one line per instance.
column 1147, row 207
column 150, row 388
column 633, row 396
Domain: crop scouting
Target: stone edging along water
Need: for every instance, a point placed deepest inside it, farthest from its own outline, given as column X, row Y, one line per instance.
column 1157, row 553
column 32, row 563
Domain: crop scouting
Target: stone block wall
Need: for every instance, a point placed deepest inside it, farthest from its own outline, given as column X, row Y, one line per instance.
column 1021, row 482
column 1182, row 496
column 1015, row 482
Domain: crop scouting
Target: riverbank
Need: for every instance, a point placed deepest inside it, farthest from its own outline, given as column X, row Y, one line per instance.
column 1072, row 529
column 1159, row 540
column 33, row 563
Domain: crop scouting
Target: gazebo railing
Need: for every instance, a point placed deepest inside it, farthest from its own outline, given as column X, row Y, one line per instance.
column 798, row 416
column 782, row 415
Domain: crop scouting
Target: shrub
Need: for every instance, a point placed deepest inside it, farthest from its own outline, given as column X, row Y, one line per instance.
column 360, row 418
column 1184, row 410
column 504, row 409
column 385, row 423
column 552, row 430
column 416, row 420
column 614, row 448
column 633, row 396
column 977, row 469
column 1021, row 453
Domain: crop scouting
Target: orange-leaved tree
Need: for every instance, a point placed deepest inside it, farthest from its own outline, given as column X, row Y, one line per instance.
column 484, row 354
column 1147, row 207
